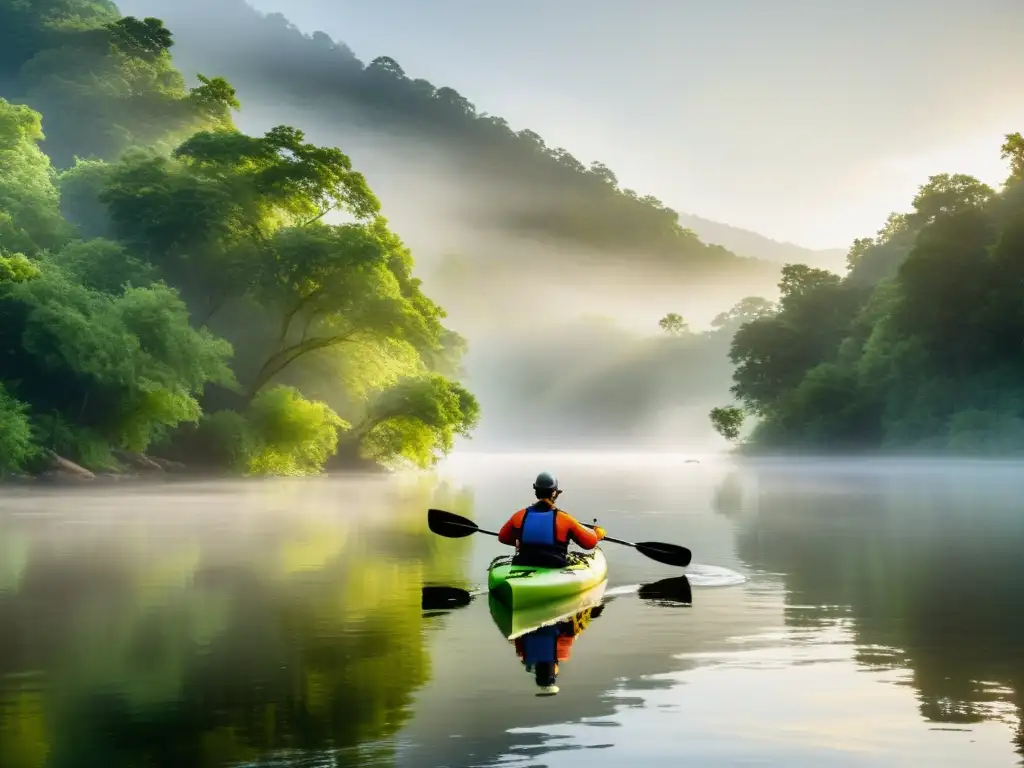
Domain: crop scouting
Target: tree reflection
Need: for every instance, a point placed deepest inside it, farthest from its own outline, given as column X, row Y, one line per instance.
column 927, row 567
column 300, row 641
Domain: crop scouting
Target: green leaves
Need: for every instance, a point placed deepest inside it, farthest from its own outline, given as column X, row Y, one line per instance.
column 294, row 436
column 673, row 324
column 107, row 85
column 127, row 367
column 417, row 421
column 1013, row 151
column 106, row 330
column 16, row 269
column 29, row 217
column 282, row 173
column 145, row 39
column 918, row 347
column 103, row 265
column 727, row 421
column 16, row 444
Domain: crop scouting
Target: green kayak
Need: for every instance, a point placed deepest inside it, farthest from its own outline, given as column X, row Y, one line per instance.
column 525, row 586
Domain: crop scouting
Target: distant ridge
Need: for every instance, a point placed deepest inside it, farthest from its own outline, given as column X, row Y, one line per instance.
column 745, row 242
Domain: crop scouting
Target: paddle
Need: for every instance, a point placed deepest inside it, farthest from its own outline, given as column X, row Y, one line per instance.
column 440, row 598
column 673, row 591
column 455, row 526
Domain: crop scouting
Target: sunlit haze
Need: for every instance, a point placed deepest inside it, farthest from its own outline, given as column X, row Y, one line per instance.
column 805, row 121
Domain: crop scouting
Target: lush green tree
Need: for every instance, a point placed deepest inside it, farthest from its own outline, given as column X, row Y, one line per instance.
column 208, row 217
column 774, row 351
column 104, row 370
column 727, row 421
column 331, row 286
column 416, row 421
column 673, row 324
column 16, row 268
column 917, row 347
column 103, row 265
column 743, row 311
column 184, row 223
column 16, row 444
column 293, row 436
column 105, row 83
column 1013, row 151
column 29, row 202
column 29, row 27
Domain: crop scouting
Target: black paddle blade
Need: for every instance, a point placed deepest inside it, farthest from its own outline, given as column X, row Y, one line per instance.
column 449, row 524
column 439, row 598
column 673, row 590
column 669, row 554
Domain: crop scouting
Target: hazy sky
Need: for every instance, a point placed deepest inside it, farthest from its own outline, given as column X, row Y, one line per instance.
column 805, row 120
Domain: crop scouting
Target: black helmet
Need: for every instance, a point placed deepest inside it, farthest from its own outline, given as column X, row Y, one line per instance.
column 546, row 485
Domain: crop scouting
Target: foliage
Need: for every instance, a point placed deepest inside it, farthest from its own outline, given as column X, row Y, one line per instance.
column 105, row 83
column 673, row 324
column 520, row 183
column 103, row 265
column 125, row 367
column 417, row 421
column 16, row 443
column 223, row 440
column 16, row 269
column 918, row 347
column 181, row 264
column 29, row 216
column 293, row 436
column 727, row 421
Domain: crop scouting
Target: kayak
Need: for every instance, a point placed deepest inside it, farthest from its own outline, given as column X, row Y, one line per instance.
column 513, row 623
column 526, row 586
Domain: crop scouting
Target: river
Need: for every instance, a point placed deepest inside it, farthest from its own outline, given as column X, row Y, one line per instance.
column 842, row 614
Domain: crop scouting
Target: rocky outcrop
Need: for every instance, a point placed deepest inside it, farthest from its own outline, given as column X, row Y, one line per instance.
column 175, row 467
column 138, row 462
column 65, row 471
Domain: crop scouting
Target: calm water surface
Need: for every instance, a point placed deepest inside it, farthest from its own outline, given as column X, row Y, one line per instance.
column 842, row 615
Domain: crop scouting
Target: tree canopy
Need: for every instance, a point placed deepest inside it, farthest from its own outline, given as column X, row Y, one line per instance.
column 918, row 347
column 521, row 185
column 177, row 287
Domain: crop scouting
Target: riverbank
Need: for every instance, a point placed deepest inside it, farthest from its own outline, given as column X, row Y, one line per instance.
column 141, row 468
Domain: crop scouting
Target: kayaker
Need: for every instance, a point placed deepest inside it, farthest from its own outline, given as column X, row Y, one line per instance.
column 541, row 532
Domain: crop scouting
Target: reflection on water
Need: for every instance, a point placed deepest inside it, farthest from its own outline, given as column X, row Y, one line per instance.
column 796, row 697
column 163, row 634
column 841, row 615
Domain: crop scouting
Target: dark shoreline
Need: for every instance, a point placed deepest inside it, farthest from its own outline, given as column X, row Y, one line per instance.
column 151, row 470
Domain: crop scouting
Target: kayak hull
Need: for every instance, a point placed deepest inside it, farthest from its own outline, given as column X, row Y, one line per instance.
column 523, row 586
column 516, row 623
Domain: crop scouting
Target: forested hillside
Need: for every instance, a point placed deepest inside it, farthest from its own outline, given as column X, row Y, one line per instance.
column 919, row 347
column 525, row 203
column 179, row 289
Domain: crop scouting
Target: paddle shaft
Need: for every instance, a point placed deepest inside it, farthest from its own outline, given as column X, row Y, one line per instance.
column 452, row 525
column 473, row 527
column 494, row 533
column 610, row 538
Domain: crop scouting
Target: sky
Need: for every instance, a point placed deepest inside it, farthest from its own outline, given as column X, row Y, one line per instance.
column 808, row 121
